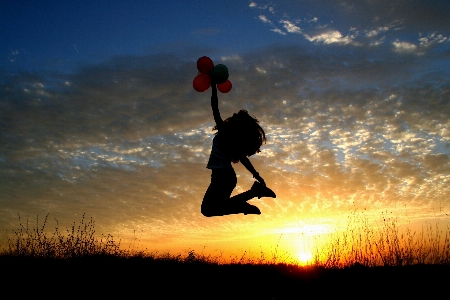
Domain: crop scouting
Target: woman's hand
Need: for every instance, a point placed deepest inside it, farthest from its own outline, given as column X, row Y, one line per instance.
column 259, row 179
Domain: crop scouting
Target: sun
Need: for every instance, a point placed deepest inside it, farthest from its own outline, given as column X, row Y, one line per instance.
column 304, row 257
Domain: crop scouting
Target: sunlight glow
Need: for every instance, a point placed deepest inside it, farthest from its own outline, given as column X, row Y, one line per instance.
column 307, row 229
column 305, row 257
column 299, row 238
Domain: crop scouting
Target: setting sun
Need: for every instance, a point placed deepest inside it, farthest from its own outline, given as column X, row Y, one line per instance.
column 304, row 257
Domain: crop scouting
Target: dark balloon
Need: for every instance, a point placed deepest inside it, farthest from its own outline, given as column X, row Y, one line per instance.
column 201, row 83
column 224, row 87
column 219, row 74
column 205, row 65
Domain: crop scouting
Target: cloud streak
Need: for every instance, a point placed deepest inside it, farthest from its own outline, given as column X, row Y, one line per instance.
column 346, row 23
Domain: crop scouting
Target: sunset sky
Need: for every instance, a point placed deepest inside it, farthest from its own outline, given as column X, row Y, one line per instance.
column 98, row 116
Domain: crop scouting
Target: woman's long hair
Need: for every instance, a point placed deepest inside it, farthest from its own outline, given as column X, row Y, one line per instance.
column 242, row 136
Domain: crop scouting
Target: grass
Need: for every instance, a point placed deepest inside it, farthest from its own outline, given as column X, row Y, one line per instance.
column 78, row 241
column 359, row 244
column 386, row 245
column 362, row 260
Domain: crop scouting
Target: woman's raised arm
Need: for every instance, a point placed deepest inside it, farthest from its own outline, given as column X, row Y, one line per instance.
column 215, row 107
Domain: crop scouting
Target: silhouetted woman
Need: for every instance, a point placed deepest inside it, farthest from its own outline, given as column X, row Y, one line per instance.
column 236, row 138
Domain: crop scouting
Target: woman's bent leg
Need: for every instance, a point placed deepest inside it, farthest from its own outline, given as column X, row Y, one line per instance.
column 217, row 201
column 217, row 196
column 243, row 197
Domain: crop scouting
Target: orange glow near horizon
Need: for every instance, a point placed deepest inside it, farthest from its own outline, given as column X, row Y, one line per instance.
column 305, row 257
column 337, row 242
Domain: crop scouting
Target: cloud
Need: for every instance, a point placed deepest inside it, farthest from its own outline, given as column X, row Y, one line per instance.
column 428, row 42
column 234, row 57
column 404, row 47
column 376, row 32
column 279, row 31
column 267, row 6
column 290, row 27
column 128, row 139
column 377, row 42
column 433, row 39
column 391, row 22
column 264, row 19
column 332, row 37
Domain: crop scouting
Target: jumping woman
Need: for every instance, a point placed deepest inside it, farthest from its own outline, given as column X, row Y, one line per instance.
column 237, row 138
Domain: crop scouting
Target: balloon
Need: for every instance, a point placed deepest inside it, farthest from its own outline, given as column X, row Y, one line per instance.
column 224, row 87
column 201, row 83
column 205, row 64
column 219, row 74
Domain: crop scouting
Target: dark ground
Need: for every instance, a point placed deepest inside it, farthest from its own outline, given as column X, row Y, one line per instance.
column 105, row 277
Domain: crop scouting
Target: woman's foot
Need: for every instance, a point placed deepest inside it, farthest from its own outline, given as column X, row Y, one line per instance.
column 229, row 209
column 262, row 191
column 249, row 209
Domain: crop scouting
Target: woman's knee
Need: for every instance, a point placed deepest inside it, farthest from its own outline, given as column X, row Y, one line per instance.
column 207, row 210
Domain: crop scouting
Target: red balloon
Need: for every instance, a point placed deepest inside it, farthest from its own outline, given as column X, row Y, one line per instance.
column 224, row 87
column 205, row 64
column 201, row 82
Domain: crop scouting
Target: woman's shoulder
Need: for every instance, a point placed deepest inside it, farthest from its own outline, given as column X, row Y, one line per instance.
column 223, row 133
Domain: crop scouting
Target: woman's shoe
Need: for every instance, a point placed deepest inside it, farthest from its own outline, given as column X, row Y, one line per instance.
column 249, row 209
column 262, row 191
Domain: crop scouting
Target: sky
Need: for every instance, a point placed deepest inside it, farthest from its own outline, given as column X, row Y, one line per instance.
column 98, row 116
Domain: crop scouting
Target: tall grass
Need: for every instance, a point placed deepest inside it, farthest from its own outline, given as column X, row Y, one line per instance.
column 386, row 245
column 78, row 241
column 359, row 244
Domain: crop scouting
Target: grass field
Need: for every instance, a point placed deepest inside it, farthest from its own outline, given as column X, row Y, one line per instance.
column 360, row 263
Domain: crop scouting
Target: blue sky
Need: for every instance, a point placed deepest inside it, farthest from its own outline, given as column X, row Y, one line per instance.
column 98, row 114
column 55, row 34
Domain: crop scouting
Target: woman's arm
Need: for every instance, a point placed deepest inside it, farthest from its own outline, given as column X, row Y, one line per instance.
column 248, row 165
column 215, row 107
